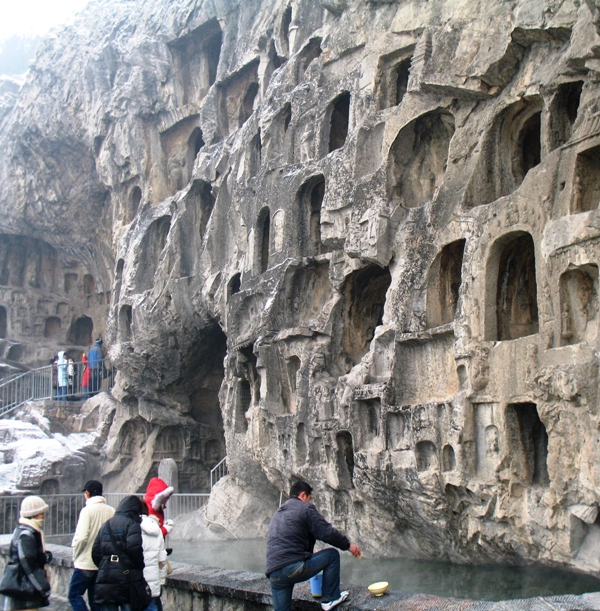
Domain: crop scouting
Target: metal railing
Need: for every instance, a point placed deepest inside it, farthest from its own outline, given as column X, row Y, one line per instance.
column 69, row 382
column 61, row 519
column 218, row 471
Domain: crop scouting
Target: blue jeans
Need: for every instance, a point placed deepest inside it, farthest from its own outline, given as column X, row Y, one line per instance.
column 152, row 606
column 115, row 607
column 62, row 393
column 283, row 580
column 80, row 582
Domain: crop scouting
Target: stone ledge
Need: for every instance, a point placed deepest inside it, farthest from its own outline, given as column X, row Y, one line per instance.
column 224, row 589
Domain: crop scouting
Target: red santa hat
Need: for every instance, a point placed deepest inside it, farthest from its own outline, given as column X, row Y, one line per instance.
column 158, row 493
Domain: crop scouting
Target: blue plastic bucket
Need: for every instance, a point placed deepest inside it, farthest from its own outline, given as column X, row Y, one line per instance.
column 315, row 585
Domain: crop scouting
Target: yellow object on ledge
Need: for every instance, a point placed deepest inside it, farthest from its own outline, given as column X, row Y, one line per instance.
column 379, row 588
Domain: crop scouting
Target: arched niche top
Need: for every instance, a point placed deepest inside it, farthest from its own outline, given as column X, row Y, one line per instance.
column 310, row 201
column 26, row 261
column 152, row 245
column 284, row 29
column 135, row 198
column 196, row 57
column 235, row 284
column 564, row 109
column 510, row 149
column 263, row 240
column 365, row 292
column 418, row 158
column 339, row 119
column 578, row 289
column 511, row 288
column 443, row 284
column 586, row 188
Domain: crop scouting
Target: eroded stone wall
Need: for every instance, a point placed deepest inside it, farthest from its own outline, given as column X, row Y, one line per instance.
column 345, row 241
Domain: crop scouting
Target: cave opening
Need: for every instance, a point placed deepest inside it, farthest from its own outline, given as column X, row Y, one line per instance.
column 202, row 376
column 3, row 322
column 443, row 289
column 516, row 294
column 586, row 191
column 418, row 159
column 364, row 292
column 80, row 332
column 528, row 443
column 263, row 239
column 578, row 289
column 339, row 120
column 125, row 320
column 345, row 460
column 563, row 113
column 51, row 326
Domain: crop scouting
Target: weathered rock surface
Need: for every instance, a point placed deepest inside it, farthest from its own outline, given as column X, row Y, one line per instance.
column 354, row 242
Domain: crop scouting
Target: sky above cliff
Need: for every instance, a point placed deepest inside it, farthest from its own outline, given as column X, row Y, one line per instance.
column 35, row 17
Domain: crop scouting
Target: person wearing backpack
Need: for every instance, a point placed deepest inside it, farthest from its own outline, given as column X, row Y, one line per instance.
column 119, row 556
column 25, row 583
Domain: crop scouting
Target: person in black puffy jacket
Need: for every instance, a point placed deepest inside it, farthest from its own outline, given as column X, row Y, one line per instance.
column 117, row 568
column 25, row 583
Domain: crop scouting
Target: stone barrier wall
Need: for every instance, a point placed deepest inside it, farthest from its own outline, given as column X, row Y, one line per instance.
column 202, row 588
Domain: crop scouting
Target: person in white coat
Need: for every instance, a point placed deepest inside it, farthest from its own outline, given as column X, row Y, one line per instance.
column 155, row 559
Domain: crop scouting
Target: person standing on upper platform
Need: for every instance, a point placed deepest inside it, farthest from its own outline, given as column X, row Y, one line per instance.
column 95, row 360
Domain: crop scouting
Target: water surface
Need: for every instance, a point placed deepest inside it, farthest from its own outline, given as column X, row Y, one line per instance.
column 441, row 579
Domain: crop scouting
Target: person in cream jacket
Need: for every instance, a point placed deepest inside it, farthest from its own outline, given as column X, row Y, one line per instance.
column 91, row 518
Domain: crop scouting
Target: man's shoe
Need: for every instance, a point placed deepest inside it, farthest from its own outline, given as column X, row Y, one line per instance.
column 334, row 603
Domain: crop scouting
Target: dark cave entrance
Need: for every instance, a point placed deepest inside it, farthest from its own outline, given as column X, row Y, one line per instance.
column 200, row 448
column 528, row 443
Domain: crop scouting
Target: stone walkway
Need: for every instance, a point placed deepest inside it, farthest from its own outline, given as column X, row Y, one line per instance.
column 58, row 604
column 361, row 601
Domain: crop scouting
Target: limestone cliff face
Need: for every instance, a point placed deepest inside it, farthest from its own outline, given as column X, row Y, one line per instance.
column 354, row 242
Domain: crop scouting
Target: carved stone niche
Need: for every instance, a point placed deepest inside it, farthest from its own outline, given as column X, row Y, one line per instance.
column 367, row 424
column 511, row 288
column 511, row 147
column 578, row 289
column 564, row 107
column 418, row 158
column 236, row 97
column 364, row 293
column 196, row 57
column 443, row 284
column 27, row 262
column 181, row 144
column 392, row 76
column 586, row 188
column 369, row 238
column 398, row 430
column 487, row 424
column 527, row 442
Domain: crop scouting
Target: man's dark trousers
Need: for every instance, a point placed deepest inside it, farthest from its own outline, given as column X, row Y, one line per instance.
column 80, row 582
column 283, row 580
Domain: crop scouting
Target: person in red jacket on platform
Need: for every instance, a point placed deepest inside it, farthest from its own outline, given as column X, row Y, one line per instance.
column 157, row 495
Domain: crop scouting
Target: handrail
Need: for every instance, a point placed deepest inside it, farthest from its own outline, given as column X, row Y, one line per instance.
column 71, row 381
column 63, row 514
column 218, row 471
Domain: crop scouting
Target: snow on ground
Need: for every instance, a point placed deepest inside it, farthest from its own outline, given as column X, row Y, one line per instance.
column 28, row 452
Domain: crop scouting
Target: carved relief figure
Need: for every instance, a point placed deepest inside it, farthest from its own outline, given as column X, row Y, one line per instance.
column 321, row 387
column 175, row 170
column 480, row 367
column 306, row 143
column 491, row 441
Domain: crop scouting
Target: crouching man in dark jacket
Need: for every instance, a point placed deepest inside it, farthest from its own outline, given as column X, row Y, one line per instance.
column 294, row 528
column 119, row 556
